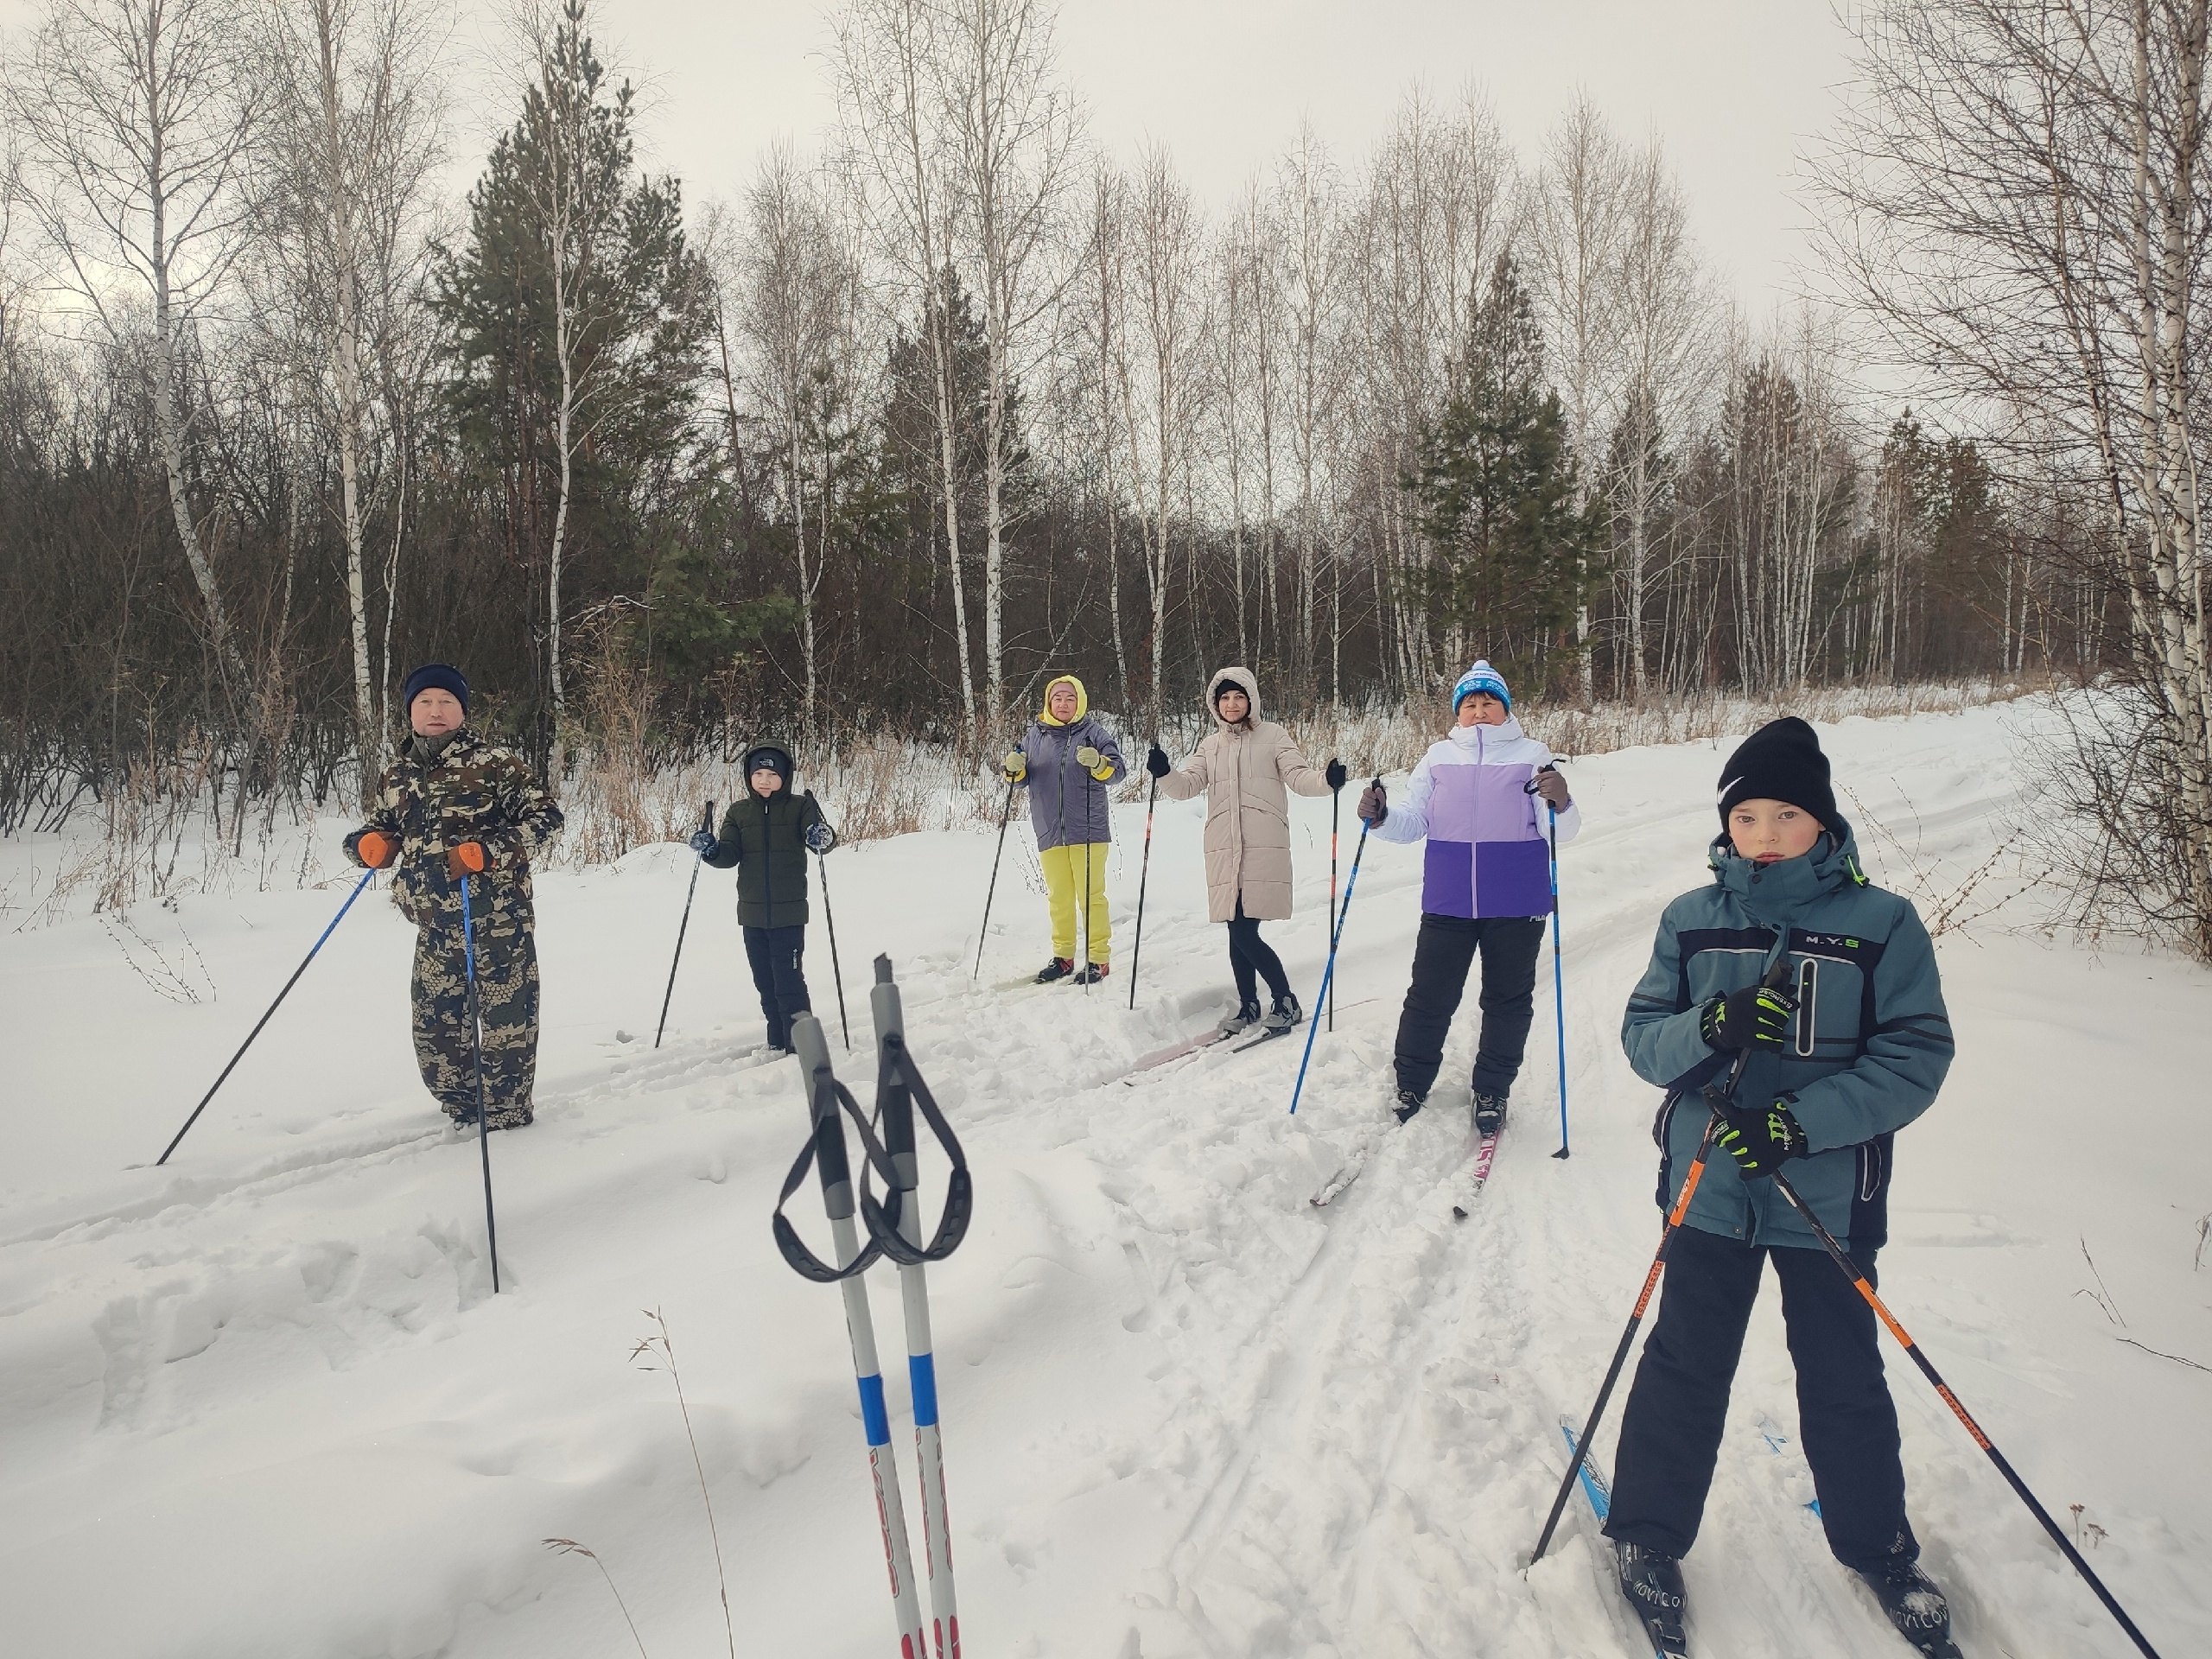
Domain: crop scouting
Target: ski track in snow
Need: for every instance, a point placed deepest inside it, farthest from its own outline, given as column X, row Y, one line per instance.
column 1186, row 1414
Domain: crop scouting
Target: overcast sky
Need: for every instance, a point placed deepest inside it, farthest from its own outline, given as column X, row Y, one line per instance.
column 1731, row 86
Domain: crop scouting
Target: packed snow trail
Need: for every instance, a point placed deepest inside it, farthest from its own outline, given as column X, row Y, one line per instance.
column 261, row 1401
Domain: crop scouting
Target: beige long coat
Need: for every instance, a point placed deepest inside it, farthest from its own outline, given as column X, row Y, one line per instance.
column 1245, row 776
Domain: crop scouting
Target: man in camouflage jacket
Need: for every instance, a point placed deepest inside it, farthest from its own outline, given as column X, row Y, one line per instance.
column 452, row 806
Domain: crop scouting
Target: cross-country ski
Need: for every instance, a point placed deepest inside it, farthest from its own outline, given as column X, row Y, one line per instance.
column 1628, row 578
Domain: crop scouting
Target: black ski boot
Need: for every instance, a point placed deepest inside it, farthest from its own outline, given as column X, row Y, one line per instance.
column 1246, row 1016
column 1915, row 1603
column 1058, row 968
column 1284, row 1014
column 1489, row 1114
column 1653, row 1584
column 1409, row 1104
column 1090, row 976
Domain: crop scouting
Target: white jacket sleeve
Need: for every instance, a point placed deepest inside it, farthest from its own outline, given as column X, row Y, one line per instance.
column 1408, row 819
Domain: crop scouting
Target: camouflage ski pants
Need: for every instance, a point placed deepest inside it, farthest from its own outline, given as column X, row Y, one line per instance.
column 506, row 976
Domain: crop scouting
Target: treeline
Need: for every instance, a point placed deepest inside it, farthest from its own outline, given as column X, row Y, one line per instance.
column 878, row 438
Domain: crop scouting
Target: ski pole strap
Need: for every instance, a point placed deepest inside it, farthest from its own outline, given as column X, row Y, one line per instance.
column 803, row 1261
column 960, row 1190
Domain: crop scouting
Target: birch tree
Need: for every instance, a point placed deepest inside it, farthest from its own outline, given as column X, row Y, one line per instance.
column 136, row 120
column 1576, row 212
column 1015, row 127
column 891, row 68
column 354, row 142
column 2017, row 198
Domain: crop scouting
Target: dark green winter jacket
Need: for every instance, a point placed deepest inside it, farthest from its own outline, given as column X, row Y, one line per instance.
column 764, row 839
column 1870, row 1048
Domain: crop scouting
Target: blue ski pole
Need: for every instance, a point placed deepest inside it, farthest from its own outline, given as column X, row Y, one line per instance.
column 1335, row 937
column 366, row 876
column 1558, row 984
column 476, row 1045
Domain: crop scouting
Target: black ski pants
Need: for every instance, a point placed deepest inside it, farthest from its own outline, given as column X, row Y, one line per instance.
column 1670, row 1432
column 1251, row 959
column 1444, row 951
column 775, row 953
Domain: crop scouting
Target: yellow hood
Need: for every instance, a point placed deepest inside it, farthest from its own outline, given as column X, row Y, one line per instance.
column 1082, row 700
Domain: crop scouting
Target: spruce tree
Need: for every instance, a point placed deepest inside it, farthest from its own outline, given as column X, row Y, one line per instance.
column 1495, row 489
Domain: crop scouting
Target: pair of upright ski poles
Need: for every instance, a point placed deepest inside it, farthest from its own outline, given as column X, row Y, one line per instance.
column 829, row 917
column 1716, row 1097
column 894, row 1230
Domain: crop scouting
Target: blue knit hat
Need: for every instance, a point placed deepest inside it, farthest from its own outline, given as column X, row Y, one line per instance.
column 1481, row 677
column 442, row 676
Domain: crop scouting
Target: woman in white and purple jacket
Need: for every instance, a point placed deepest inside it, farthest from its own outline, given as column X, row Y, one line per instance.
column 1479, row 797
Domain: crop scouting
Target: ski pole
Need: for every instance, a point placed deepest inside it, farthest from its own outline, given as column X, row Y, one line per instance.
column 1005, row 813
column 1144, row 873
column 705, row 822
column 860, row 1327
column 1776, row 975
column 897, row 1103
column 366, row 876
column 1558, row 984
column 830, row 920
column 476, row 1043
column 1329, row 973
column 1336, row 796
column 1859, row 1283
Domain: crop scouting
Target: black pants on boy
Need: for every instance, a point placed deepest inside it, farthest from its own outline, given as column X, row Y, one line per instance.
column 774, row 953
column 1443, row 953
column 1250, row 957
column 1670, row 1431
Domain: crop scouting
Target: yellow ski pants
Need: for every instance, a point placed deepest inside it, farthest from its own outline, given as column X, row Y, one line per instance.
column 1064, row 877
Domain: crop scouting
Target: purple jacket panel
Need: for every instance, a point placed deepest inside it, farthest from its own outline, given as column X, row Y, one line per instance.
column 1485, row 855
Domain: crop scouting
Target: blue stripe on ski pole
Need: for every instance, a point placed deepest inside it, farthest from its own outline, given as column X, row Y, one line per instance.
column 1329, row 973
column 921, row 1379
column 874, row 1417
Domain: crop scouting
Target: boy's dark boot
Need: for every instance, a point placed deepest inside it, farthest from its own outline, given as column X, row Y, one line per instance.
column 1489, row 1114
column 1914, row 1602
column 1407, row 1103
column 1653, row 1584
column 1058, row 968
column 1091, row 974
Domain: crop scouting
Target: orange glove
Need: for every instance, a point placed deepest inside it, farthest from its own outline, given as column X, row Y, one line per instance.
column 467, row 859
column 375, row 849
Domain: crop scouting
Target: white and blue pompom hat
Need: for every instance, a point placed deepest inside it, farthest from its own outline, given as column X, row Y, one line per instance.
column 1481, row 677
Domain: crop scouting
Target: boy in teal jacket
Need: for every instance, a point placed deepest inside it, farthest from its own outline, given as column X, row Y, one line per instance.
column 1849, row 1050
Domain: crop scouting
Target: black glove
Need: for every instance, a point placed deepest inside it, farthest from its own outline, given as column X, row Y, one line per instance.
column 704, row 842
column 820, row 838
column 1761, row 1139
column 1156, row 761
column 1752, row 1016
column 1374, row 803
column 1335, row 774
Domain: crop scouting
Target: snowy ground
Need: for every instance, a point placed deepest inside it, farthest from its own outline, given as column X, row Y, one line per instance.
column 261, row 1402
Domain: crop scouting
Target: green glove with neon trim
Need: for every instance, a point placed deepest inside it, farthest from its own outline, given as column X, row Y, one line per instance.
column 1752, row 1016
column 1761, row 1139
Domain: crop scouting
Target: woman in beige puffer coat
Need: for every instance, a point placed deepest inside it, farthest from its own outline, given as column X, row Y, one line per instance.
column 1246, row 769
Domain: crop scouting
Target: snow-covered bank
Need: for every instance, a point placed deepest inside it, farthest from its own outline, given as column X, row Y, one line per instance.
column 261, row 1402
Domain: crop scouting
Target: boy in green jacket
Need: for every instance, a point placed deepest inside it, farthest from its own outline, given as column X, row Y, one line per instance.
column 1851, row 1050
column 767, row 836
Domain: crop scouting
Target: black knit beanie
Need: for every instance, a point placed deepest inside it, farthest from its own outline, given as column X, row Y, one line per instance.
column 1781, row 761
column 443, row 677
